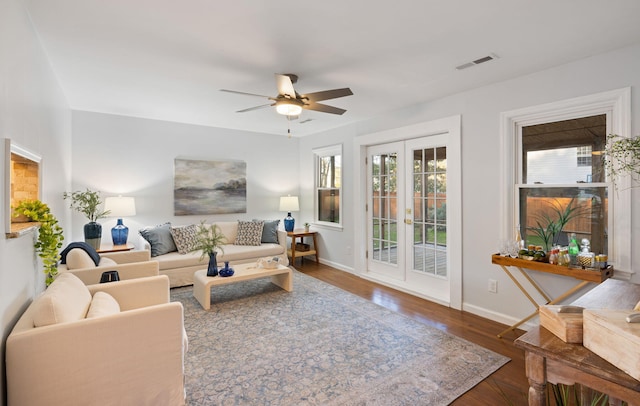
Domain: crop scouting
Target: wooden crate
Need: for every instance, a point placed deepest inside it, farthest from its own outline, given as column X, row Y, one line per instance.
column 567, row 326
column 607, row 333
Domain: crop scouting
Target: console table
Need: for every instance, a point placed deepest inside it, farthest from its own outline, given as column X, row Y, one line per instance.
column 584, row 275
column 549, row 359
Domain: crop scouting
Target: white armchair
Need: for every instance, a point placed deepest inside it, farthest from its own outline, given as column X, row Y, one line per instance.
column 129, row 264
column 57, row 356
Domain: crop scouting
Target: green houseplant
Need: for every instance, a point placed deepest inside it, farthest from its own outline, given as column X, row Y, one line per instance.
column 88, row 203
column 548, row 227
column 622, row 157
column 50, row 235
column 209, row 240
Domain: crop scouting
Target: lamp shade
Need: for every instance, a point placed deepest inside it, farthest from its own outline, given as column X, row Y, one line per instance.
column 289, row 203
column 120, row 206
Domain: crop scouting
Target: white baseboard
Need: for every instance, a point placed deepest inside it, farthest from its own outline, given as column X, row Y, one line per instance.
column 499, row 317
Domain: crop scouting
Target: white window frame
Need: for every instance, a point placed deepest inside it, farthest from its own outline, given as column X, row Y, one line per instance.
column 616, row 104
column 318, row 153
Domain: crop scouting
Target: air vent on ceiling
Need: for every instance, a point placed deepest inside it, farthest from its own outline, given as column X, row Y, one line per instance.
column 478, row 61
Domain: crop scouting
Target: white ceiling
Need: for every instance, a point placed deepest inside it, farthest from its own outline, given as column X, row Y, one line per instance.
column 168, row 59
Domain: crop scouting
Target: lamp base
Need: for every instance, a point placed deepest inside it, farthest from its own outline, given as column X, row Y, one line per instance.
column 119, row 233
column 289, row 223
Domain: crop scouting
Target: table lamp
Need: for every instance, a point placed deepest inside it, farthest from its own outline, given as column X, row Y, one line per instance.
column 289, row 204
column 120, row 207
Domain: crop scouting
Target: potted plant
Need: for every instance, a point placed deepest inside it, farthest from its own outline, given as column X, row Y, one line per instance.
column 209, row 239
column 88, row 203
column 306, row 227
column 49, row 234
column 622, row 157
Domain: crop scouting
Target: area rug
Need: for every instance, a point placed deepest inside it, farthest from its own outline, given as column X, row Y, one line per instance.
column 319, row 345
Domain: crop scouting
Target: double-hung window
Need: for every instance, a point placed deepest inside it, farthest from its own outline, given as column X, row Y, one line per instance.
column 554, row 179
column 328, row 185
column 558, row 193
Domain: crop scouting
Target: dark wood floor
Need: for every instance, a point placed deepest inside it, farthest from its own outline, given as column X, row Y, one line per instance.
column 507, row 386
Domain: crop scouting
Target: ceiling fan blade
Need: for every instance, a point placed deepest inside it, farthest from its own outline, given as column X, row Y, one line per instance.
column 256, row 108
column 323, row 108
column 328, row 94
column 244, row 93
column 285, row 86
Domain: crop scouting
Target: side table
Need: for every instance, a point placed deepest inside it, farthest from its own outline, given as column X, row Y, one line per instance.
column 114, row 248
column 295, row 234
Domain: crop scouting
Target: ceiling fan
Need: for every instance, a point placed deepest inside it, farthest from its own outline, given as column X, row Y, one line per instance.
column 290, row 103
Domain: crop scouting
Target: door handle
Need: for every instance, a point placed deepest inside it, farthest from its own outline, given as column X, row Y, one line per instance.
column 408, row 221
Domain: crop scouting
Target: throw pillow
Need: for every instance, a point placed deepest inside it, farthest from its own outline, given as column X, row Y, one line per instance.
column 78, row 259
column 185, row 238
column 249, row 232
column 102, row 304
column 270, row 231
column 159, row 237
column 66, row 299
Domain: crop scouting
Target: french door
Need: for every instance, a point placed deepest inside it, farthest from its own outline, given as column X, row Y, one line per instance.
column 407, row 215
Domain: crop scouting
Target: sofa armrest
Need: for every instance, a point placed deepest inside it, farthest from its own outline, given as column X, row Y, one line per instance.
column 282, row 241
column 136, row 293
column 127, row 257
column 133, row 357
column 91, row 276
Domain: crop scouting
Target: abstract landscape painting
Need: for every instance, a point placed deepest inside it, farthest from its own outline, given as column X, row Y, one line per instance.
column 209, row 187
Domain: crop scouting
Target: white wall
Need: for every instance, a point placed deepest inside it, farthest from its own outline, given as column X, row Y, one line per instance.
column 134, row 157
column 33, row 113
column 480, row 109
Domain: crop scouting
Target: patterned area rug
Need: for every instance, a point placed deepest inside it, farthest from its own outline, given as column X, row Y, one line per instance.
column 319, row 345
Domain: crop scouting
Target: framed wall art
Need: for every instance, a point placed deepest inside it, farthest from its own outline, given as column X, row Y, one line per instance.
column 209, row 187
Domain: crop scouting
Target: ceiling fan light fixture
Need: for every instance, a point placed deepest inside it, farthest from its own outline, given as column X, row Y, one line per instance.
column 288, row 109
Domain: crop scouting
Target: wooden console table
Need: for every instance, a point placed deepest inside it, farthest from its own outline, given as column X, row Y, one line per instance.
column 584, row 275
column 549, row 359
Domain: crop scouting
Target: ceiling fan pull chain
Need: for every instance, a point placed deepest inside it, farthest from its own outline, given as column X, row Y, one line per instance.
column 289, row 126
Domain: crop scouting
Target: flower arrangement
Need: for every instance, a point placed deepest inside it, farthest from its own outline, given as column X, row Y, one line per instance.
column 209, row 239
column 87, row 203
column 622, row 157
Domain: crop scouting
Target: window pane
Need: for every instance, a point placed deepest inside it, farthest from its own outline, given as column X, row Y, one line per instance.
column 329, row 205
column 549, row 215
column 564, row 152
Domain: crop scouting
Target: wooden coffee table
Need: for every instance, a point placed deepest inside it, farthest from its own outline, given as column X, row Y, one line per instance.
column 281, row 276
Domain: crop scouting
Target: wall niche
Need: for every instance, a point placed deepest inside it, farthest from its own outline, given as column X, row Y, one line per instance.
column 23, row 177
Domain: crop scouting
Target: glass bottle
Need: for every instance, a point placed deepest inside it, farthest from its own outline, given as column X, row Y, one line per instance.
column 573, row 249
column 585, row 257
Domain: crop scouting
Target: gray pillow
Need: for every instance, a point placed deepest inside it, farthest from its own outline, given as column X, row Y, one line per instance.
column 160, row 239
column 269, row 231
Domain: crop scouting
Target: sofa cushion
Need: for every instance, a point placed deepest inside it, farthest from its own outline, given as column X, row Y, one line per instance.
column 185, row 237
column 249, row 232
column 102, row 304
column 160, row 239
column 107, row 262
column 66, row 299
column 78, row 258
column 269, row 231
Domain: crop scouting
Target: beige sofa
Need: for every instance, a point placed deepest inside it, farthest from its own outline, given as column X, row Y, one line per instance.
column 180, row 267
column 129, row 264
column 76, row 345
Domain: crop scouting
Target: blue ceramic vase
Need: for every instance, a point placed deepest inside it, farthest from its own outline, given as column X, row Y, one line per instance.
column 226, row 271
column 212, row 269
